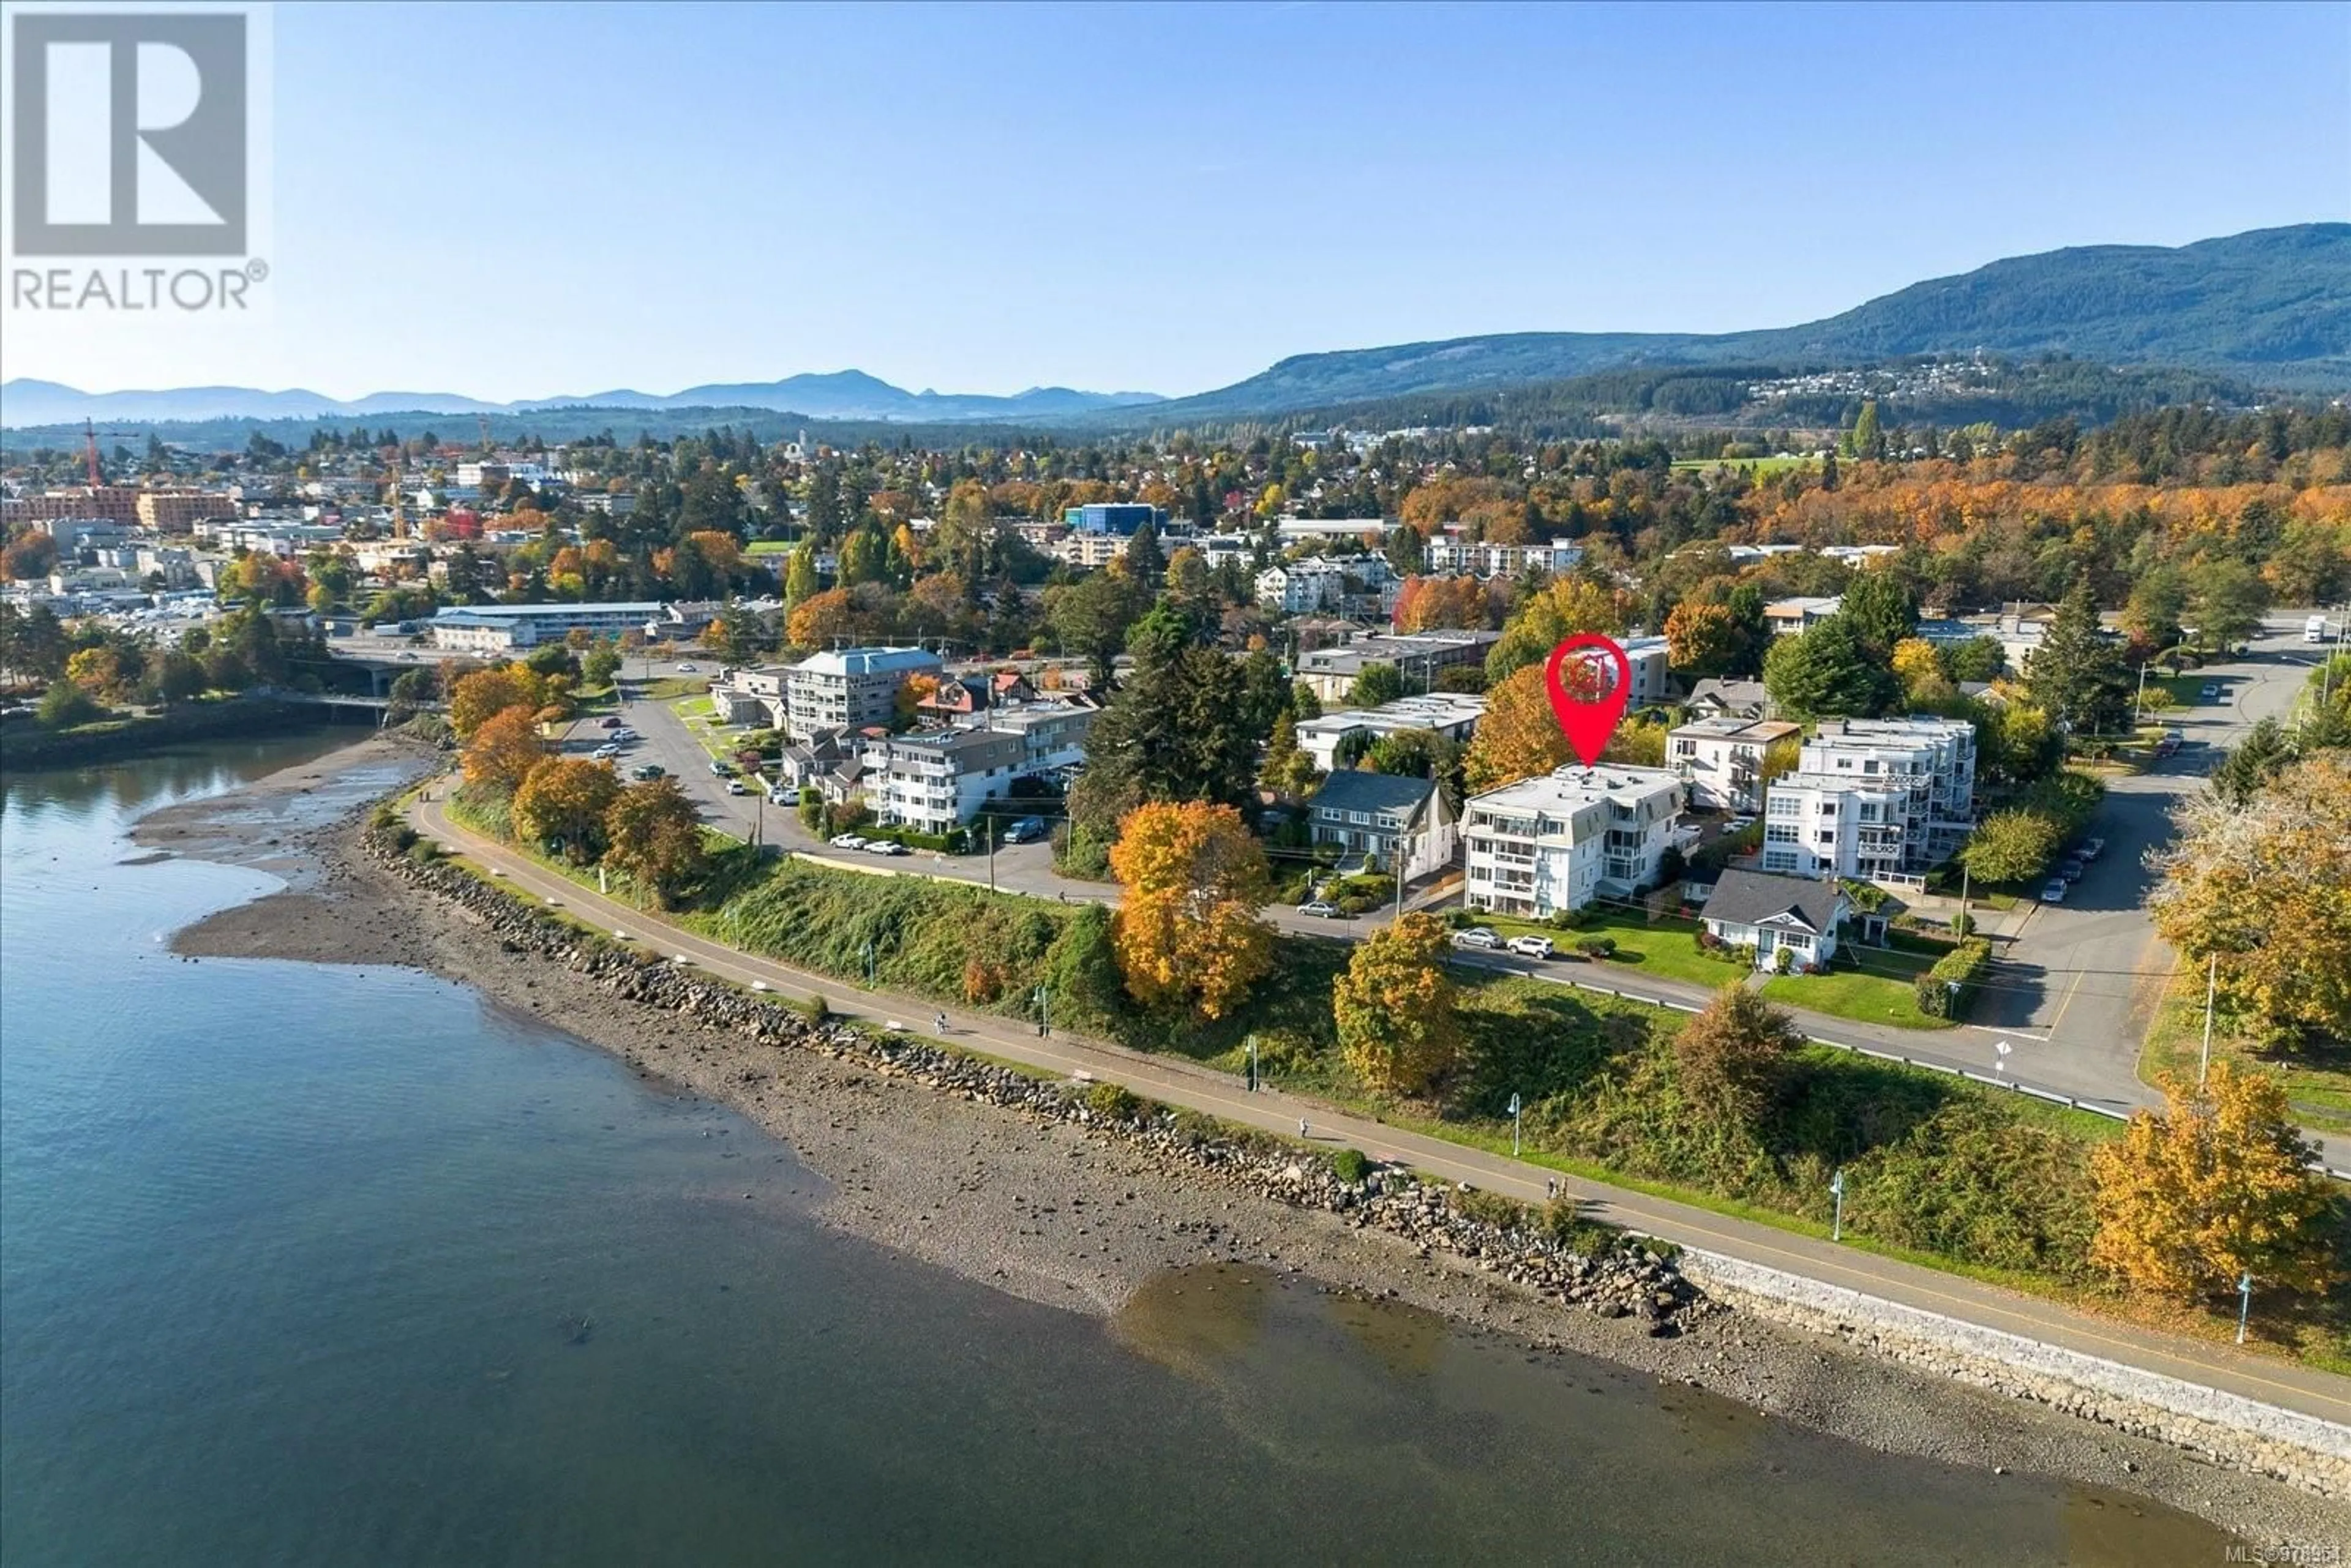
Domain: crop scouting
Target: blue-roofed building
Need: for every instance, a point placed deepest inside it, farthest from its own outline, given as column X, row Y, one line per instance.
column 1386, row 818
column 1121, row 517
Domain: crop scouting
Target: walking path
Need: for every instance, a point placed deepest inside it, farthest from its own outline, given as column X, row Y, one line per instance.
column 1184, row 1083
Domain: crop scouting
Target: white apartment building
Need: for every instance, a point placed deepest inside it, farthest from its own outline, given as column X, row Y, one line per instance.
column 1873, row 799
column 1646, row 661
column 850, row 689
column 1089, row 552
column 1559, row 842
column 1327, row 582
column 1723, row 759
column 937, row 781
column 1448, row 554
column 1453, row 715
column 1052, row 735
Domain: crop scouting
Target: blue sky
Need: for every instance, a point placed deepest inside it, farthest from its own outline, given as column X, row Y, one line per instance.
column 517, row 201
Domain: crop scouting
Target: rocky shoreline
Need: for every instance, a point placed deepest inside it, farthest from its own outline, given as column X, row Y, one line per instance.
column 1074, row 1199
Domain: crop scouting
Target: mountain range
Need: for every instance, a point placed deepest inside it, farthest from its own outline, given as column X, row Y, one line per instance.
column 2271, row 307
column 842, row 394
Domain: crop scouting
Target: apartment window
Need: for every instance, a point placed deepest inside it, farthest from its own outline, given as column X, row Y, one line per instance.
column 1786, row 806
column 1844, row 762
column 1359, row 816
column 1825, row 836
column 1778, row 833
column 1870, row 766
column 1779, row 859
column 1828, row 807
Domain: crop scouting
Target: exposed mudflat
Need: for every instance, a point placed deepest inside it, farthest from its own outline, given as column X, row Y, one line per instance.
column 1087, row 1220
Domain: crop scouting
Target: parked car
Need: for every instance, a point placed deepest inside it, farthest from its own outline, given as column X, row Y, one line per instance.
column 1531, row 946
column 780, row 796
column 2072, row 867
column 651, row 770
column 687, row 670
column 736, row 787
column 1026, row 831
column 2170, row 744
column 2054, row 892
column 609, row 721
column 884, row 847
column 720, row 768
column 1477, row 936
column 625, row 735
column 2211, row 692
column 1322, row 909
column 605, row 753
column 846, row 841
column 2091, row 849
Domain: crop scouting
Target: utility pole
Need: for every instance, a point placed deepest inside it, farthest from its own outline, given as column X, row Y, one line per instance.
column 987, row 825
column 2211, row 988
column 1836, row 1190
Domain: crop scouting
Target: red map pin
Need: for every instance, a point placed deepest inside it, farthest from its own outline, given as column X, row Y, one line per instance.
column 1588, row 714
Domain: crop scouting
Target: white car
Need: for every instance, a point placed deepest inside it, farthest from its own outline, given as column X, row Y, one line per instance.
column 2053, row 891
column 1477, row 936
column 1531, row 946
column 736, row 787
column 605, row 753
column 780, row 796
column 884, row 847
column 847, row 841
column 687, row 670
column 1322, row 909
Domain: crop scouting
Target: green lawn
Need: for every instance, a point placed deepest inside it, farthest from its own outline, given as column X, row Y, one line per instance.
column 1879, row 994
column 2317, row 1087
column 1668, row 948
column 1754, row 465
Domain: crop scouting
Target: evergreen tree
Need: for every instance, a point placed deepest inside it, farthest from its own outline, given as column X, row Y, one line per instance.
column 2076, row 674
column 1826, row 672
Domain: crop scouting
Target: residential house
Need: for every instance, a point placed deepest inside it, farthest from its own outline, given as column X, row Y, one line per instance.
column 1723, row 759
column 1449, row 553
column 1052, row 734
column 1389, row 820
column 1785, row 616
column 1453, row 715
column 850, row 689
column 1712, row 698
column 1769, row 913
column 1560, row 841
column 959, row 695
column 1873, row 799
column 752, row 693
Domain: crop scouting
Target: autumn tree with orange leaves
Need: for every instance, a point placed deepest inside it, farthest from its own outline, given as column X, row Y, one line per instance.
column 1519, row 738
column 504, row 748
column 2216, row 1186
column 1188, row 932
column 565, row 798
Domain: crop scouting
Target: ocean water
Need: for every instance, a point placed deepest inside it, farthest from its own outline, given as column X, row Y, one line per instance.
column 328, row 1265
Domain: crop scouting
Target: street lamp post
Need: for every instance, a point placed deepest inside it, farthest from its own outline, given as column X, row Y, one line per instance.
column 1251, row 1044
column 1044, row 1000
column 1514, row 1125
column 869, row 966
column 1836, row 1223
column 2244, row 1303
column 2212, row 990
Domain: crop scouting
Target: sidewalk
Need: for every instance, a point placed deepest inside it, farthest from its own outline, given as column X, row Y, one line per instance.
column 1184, row 1083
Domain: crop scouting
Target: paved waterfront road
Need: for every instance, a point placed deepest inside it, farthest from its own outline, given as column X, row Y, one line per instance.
column 2083, row 967
column 1186, row 1083
column 2080, row 981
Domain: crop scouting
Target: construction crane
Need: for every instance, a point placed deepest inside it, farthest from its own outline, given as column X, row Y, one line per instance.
column 488, row 450
column 89, row 449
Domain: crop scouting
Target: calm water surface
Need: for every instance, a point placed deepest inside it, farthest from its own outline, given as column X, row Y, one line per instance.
column 324, row 1265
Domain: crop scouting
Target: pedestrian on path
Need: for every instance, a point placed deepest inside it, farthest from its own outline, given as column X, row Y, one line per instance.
column 1301, row 1126
column 1551, row 1187
column 942, row 1023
